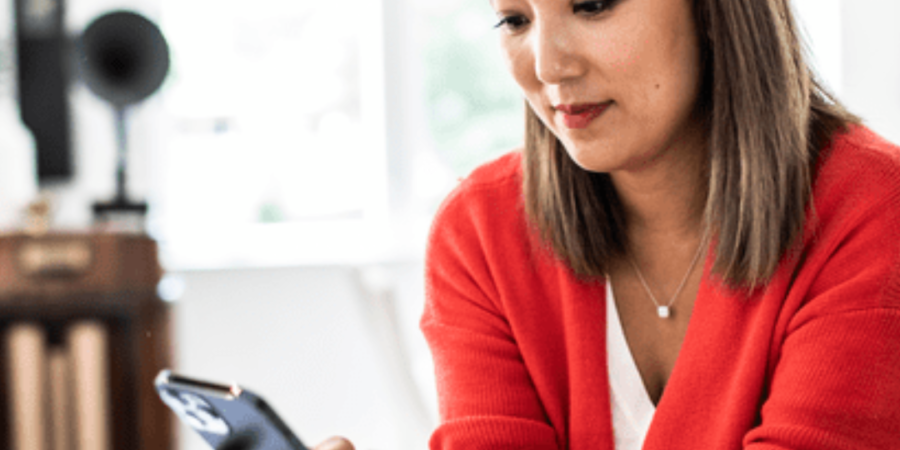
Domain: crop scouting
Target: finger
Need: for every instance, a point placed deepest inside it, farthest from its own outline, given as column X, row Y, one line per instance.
column 335, row 443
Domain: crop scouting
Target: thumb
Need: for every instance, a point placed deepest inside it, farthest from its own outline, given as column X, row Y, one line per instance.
column 335, row 443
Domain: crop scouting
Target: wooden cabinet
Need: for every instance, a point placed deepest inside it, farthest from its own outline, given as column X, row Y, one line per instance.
column 59, row 279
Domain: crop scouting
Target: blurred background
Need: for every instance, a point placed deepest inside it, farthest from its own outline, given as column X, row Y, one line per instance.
column 291, row 162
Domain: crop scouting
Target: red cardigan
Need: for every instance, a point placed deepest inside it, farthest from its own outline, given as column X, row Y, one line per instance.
column 813, row 362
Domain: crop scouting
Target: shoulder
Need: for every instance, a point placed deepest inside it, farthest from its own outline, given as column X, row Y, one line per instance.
column 858, row 180
column 859, row 164
column 481, row 219
column 503, row 172
column 853, row 238
column 491, row 190
column 477, row 228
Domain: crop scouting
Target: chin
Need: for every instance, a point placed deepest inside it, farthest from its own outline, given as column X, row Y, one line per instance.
column 587, row 158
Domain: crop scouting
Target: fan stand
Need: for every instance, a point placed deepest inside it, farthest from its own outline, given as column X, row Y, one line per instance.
column 121, row 213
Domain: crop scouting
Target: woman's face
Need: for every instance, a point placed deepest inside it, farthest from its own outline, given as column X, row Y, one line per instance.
column 638, row 58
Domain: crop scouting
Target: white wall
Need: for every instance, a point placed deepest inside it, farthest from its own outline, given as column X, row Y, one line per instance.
column 819, row 22
column 871, row 63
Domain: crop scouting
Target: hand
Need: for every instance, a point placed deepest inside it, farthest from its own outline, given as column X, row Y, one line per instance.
column 335, row 443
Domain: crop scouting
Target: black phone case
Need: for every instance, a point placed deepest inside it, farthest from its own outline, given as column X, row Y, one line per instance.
column 227, row 417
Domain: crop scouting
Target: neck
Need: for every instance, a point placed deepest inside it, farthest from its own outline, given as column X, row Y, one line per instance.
column 664, row 199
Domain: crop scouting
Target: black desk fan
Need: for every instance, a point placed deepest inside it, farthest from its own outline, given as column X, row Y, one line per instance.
column 123, row 58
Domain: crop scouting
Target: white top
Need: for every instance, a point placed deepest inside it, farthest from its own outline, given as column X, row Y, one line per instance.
column 632, row 408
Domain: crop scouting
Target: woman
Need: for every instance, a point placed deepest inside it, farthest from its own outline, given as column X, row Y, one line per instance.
column 567, row 303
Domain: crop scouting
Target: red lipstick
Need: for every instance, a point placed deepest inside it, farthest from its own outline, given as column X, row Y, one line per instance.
column 581, row 115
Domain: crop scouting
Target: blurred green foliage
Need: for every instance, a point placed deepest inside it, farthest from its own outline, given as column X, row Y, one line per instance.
column 475, row 107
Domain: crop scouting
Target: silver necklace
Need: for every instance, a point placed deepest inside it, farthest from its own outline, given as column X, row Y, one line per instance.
column 665, row 311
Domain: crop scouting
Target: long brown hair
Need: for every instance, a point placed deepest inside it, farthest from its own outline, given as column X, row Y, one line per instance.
column 766, row 118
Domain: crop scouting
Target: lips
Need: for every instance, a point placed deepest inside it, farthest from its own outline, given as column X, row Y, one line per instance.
column 578, row 108
column 581, row 115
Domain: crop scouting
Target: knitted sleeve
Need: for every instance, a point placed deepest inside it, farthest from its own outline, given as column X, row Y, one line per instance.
column 836, row 387
column 836, row 383
column 486, row 397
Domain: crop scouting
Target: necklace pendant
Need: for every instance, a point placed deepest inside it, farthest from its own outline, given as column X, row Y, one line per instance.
column 663, row 312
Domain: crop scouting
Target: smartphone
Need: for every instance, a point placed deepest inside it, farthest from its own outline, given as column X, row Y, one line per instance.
column 227, row 417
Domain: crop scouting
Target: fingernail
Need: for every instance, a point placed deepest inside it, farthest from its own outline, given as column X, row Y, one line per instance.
column 334, row 442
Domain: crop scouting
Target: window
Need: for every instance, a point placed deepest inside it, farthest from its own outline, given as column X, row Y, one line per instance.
column 274, row 149
column 475, row 108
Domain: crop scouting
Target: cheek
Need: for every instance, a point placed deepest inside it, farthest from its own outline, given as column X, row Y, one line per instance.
column 679, row 86
column 622, row 57
column 653, row 78
column 678, row 65
column 624, row 47
column 520, row 63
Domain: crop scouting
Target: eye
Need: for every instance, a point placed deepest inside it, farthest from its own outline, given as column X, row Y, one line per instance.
column 593, row 7
column 511, row 23
column 589, row 8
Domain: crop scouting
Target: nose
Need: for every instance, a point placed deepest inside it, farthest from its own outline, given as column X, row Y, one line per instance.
column 556, row 55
